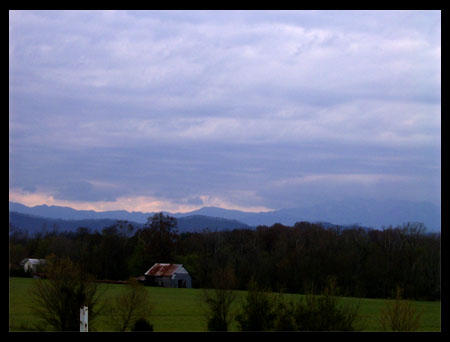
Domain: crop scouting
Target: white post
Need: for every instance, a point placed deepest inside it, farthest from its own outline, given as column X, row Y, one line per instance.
column 84, row 319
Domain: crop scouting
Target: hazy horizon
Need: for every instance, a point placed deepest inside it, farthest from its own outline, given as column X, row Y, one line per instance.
column 250, row 110
column 203, row 207
column 365, row 213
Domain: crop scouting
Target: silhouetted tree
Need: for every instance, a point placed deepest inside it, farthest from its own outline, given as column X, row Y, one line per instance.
column 219, row 300
column 258, row 310
column 57, row 299
column 159, row 238
column 129, row 306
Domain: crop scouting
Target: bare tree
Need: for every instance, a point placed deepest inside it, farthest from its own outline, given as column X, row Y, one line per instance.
column 57, row 299
column 399, row 315
column 130, row 306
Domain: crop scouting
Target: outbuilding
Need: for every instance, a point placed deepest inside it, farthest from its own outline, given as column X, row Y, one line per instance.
column 168, row 275
column 31, row 265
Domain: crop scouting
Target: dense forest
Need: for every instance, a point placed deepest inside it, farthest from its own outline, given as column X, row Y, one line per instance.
column 363, row 262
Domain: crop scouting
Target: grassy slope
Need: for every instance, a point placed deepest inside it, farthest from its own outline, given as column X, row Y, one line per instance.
column 181, row 309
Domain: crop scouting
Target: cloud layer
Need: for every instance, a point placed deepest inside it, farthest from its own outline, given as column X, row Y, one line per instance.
column 247, row 109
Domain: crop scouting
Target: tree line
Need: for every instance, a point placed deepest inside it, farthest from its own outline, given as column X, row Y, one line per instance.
column 298, row 259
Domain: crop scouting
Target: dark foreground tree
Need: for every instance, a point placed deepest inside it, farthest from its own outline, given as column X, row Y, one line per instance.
column 219, row 300
column 57, row 299
column 258, row 310
column 325, row 313
column 129, row 306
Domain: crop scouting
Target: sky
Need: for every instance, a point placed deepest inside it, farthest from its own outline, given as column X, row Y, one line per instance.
column 250, row 110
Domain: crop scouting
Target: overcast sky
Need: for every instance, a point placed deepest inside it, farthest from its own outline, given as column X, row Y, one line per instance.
column 250, row 110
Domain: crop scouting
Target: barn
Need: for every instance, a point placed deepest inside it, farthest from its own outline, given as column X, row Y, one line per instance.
column 168, row 275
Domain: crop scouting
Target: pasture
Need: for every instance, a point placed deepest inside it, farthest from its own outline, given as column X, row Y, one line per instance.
column 180, row 310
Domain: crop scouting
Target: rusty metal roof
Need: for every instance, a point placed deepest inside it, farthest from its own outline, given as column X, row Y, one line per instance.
column 162, row 270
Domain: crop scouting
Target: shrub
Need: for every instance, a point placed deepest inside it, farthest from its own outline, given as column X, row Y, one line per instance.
column 258, row 311
column 285, row 316
column 325, row 313
column 322, row 313
column 399, row 315
column 19, row 272
column 264, row 311
column 142, row 325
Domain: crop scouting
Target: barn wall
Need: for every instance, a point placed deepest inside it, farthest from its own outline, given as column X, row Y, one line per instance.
column 181, row 276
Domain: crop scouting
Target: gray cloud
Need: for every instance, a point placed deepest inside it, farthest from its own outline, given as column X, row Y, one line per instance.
column 82, row 191
column 236, row 104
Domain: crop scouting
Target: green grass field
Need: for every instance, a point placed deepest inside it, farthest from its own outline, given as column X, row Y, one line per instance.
column 180, row 310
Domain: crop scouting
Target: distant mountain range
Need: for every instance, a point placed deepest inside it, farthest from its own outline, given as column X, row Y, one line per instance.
column 367, row 213
column 192, row 223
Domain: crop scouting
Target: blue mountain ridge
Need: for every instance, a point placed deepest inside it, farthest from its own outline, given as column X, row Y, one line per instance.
column 369, row 213
column 192, row 223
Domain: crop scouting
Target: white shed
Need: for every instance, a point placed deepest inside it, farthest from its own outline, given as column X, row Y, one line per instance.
column 31, row 265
